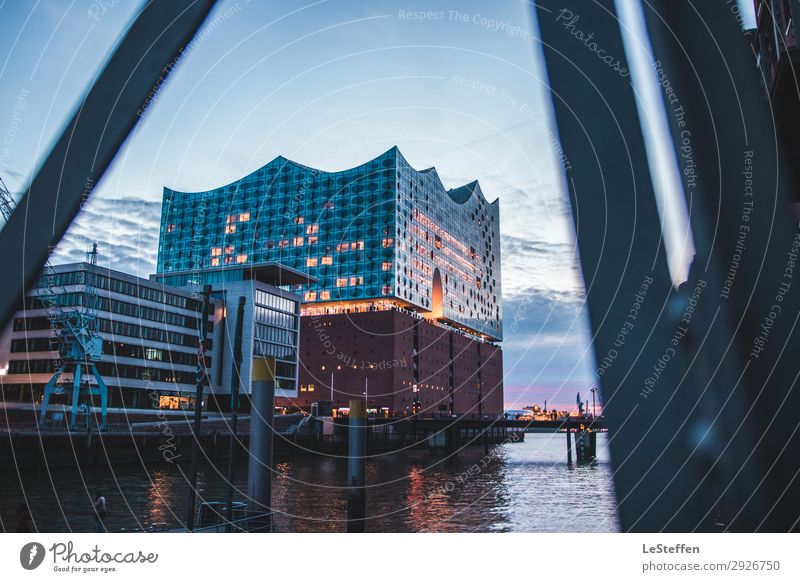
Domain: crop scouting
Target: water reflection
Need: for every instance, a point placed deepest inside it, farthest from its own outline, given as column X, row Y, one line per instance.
column 517, row 487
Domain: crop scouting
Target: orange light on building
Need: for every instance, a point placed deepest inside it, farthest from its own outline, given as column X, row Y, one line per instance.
column 310, row 296
column 297, row 241
column 229, row 250
column 324, row 295
column 387, row 243
column 341, row 281
column 311, row 262
column 215, row 262
column 312, row 229
column 386, row 266
column 312, row 240
column 230, row 229
column 241, row 258
column 216, row 252
column 244, row 217
column 327, row 260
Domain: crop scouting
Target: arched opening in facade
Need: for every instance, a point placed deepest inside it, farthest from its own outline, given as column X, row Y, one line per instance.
column 437, row 297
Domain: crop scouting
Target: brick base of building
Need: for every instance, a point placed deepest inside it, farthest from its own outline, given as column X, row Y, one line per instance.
column 404, row 365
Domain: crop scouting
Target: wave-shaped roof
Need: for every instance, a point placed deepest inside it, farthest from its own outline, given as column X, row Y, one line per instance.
column 460, row 194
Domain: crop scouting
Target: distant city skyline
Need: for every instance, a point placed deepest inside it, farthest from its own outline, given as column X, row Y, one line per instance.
column 328, row 84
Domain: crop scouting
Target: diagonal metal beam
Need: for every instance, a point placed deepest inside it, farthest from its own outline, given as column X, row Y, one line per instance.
column 747, row 243
column 643, row 353
column 146, row 55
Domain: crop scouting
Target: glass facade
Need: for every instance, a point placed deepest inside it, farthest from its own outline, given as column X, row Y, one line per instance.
column 377, row 234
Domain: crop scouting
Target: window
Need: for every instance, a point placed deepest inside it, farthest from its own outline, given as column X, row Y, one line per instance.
column 327, row 260
column 387, row 243
column 324, row 295
column 215, row 262
column 312, row 240
column 283, row 244
column 216, row 251
column 386, row 290
column 357, row 246
column 311, row 262
column 310, row 295
column 297, row 241
column 312, row 229
column 230, row 229
column 244, row 217
column 356, row 281
column 386, row 266
column 311, row 387
column 241, row 258
column 231, row 219
column 299, row 220
column 229, row 250
column 341, row 281
column 170, row 228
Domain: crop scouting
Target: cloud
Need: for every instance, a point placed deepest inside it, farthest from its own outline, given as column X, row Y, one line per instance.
column 546, row 347
column 125, row 230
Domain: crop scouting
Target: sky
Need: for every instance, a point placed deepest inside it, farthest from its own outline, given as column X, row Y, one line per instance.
column 459, row 85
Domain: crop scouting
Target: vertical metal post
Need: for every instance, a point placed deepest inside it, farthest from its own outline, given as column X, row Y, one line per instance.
column 259, row 478
column 235, row 382
column 569, row 441
column 202, row 378
column 356, row 454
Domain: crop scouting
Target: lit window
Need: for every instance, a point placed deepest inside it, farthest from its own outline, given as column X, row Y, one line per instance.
column 310, row 295
column 283, row 244
column 241, row 258
column 342, row 247
column 230, row 229
column 229, row 250
column 297, row 241
column 357, row 246
column 387, row 242
column 170, row 228
column 244, row 217
column 341, row 281
column 387, row 266
column 327, row 260
column 303, row 388
column 216, row 251
column 324, row 295
column 311, row 262
column 356, row 281
column 386, row 290
column 230, row 220
column 215, row 262
column 312, row 240
column 228, row 260
column 311, row 387
column 299, row 220
column 312, row 229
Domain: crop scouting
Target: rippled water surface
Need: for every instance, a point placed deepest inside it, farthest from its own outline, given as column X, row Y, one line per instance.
column 522, row 487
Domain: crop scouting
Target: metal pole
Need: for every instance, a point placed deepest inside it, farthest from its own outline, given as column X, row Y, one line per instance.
column 331, row 389
column 569, row 441
column 259, row 477
column 356, row 453
column 202, row 378
column 235, row 381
